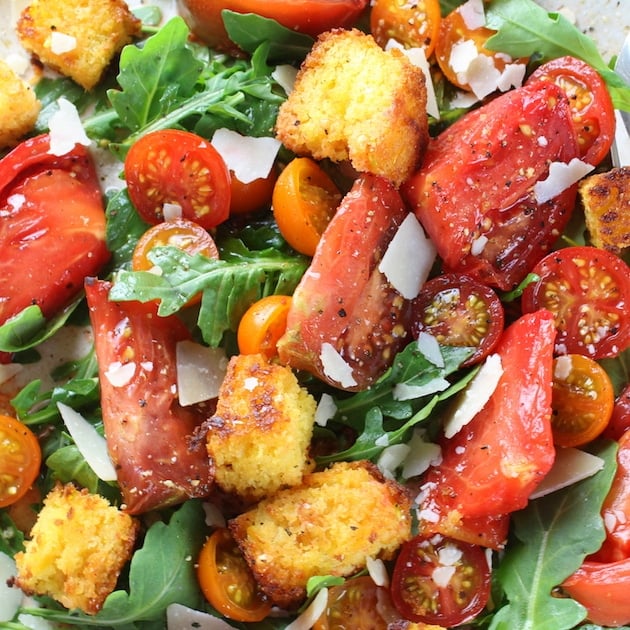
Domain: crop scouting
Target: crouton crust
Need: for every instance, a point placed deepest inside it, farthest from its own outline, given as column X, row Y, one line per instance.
column 260, row 434
column 19, row 107
column 329, row 525
column 100, row 27
column 605, row 198
column 353, row 100
column 76, row 550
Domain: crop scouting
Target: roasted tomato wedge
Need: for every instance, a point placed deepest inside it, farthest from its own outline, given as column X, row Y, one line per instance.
column 493, row 463
column 52, row 227
column 178, row 167
column 150, row 437
column 474, row 192
column 582, row 400
column 226, row 580
column 591, row 105
column 412, row 24
column 588, row 291
column 262, row 325
column 20, row 459
column 439, row 580
column 458, row 311
column 346, row 321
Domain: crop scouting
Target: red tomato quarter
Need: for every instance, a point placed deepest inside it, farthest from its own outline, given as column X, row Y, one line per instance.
column 178, row 167
column 588, row 291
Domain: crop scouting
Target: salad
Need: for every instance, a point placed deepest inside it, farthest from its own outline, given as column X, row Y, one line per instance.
column 480, row 393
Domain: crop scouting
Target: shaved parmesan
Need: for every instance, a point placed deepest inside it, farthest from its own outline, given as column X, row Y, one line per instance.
column 561, row 176
column 473, row 14
column 120, row 374
column 482, row 75
column 312, row 613
column 180, row 617
column 405, row 391
column 335, row 367
column 247, row 157
column 408, row 259
column 10, row 596
column 90, row 443
column 200, row 372
column 284, row 75
column 570, row 466
column 66, row 129
column 422, row 454
column 326, row 410
column 391, row 458
column 171, row 211
column 377, row 570
column 442, row 575
column 60, row 43
column 512, row 76
column 475, row 396
column 430, row 348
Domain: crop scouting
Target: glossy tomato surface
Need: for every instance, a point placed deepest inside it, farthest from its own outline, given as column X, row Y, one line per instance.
column 346, row 321
column 149, row 435
column 263, row 324
column 474, row 192
column 52, row 227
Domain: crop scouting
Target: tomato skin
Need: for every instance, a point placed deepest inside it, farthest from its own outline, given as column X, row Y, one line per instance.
column 591, row 105
column 477, row 180
column 179, row 167
column 226, row 581
column 52, row 227
column 246, row 198
column 262, row 325
column 620, row 419
column 353, row 308
column 588, row 290
column 20, row 460
column 149, row 435
column 492, row 465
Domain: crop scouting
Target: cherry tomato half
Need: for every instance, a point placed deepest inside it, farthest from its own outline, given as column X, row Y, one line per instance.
column 226, row 581
column 254, row 195
column 582, row 400
column 412, row 24
column 588, row 291
column 304, row 202
column 20, row 459
column 591, row 105
column 263, row 323
column 440, row 580
column 459, row 311
column 178, row 167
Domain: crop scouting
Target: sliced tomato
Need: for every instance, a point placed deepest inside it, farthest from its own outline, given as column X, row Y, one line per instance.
column 311, row 17
column 227, row 582
column 474, row 192
column 588, row 291
column 52, row 227
column 304, row 201
column 262, row 325
column 252, row 196
column 582, row 400
column 459, row 311
column 412, row 24
column 620, row 419
column 492, row 464
column 20, row 460
column 346, row 321
column 150, row 437
column 591, row 106
column 172, row 166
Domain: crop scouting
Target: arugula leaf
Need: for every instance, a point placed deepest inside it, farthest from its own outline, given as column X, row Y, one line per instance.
column 553, row 535
column 11, row 538
column 525, row 29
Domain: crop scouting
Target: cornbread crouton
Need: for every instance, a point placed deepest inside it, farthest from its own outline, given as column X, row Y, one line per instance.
column 329, row 525
column 353, row 100
column 77, row 38
column 19, row 107
column 606, row 201
column 259, row 436
column 78, row 546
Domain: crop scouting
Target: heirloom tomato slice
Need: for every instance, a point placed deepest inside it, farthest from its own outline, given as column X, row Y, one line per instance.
column 52, row 227
column 150, row 436
column 346, row 321
column 474, row 192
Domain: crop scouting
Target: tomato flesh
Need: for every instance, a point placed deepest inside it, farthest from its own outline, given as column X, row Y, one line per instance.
column 262, row 325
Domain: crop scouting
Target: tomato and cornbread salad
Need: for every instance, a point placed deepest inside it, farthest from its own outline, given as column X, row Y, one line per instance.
column 312, row 315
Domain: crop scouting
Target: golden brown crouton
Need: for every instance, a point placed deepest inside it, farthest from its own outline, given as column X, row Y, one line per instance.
column 329, row 525
column 77, row 38
column 77, row 548
column 606, row 201
column 19, row 107
column 259, row 436
column 353, row 100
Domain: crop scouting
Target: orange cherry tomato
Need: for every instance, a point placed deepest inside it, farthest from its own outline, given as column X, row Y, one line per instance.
column 20, row 460
column 304, row 200
column 582, row 400
column 264, row 322
column 252, row 196
column 412, row 24
column 226, row 581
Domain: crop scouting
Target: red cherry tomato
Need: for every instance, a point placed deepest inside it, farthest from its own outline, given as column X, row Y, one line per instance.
column 178, row 167
column 254, row 195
